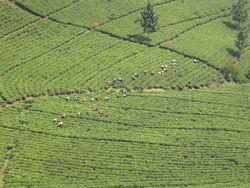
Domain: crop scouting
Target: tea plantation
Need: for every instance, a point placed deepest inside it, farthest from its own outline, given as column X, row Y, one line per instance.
column 84, row 100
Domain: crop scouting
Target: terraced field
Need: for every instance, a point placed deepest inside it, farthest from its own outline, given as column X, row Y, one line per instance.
column 187, row 127
column 59, row 55
column 141, row 140
column 171, row 22
column 180, row 21
column 216, row 32
column 97, row 59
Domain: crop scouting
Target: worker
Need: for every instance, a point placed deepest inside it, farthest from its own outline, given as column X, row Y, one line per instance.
column 95, row 107
column 67, row 99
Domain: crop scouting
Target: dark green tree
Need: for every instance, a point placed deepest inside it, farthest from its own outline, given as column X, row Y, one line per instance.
column 241, row 41
column 240, row 14
column 149, row 20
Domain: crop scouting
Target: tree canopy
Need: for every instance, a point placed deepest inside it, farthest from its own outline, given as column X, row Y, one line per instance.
column 149, row 20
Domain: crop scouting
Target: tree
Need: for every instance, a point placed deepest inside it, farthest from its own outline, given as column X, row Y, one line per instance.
column 241, row 41
column 240, row 14
column 149, row 21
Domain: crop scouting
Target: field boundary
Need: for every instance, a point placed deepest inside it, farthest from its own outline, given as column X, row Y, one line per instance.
column 85, row 106
column 129, row 40
column 67, row 92
column 30, row 11
column 6, row 105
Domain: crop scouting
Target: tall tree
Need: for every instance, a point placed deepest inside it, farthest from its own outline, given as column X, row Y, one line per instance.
column 240, row 14
column 149, row 20
column 241, row 41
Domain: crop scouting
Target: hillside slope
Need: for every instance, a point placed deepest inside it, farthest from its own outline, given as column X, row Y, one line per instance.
column 132, row 125
column 167, row 139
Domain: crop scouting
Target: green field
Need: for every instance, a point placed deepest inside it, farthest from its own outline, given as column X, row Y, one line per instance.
column 206, row 131
column 206, row 23
column 186, row 128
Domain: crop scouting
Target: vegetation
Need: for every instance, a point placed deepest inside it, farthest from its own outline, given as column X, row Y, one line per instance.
column 231, row 73
column 149, row 21
column 104, row 11
column 12, row 19
column 141, row 140
column 248, row 75
column 216, row 48
column 48, row 68
column 240, row 14
column 152, row 111
column 171, row 22
column 47, row 7
column 242, row 40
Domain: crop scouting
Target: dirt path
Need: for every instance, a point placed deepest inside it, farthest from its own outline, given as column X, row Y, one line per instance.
column 152, row 90
column 2, row 171
column 6, row 164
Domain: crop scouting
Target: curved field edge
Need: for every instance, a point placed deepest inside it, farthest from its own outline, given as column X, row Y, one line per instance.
column 121, row 37
column 171, row 26
column 209, row 50
column 206, row 131
column 100, row 58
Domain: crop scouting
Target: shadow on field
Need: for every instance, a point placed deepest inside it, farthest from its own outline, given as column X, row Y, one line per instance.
column 230, row 25
column 232, row 52
column 139, row 38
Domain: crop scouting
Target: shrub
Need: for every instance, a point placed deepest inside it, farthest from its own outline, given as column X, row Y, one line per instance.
column 231, row 73
column 248, row 75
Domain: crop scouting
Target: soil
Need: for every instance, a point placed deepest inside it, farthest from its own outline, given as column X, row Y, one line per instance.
column 214, row 85
column 1, row 173
column 154, row 90
column 168, row 42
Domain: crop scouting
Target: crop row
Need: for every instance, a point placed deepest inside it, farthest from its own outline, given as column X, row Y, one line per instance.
column 125, row 63
column 90, row 61
column 46, row 8
column 93, row 149
column 50, row 156
column 88, row 13
column 108, row 11
column 191, row 11
column 176, row 30
column 127, row 112
column 206, row 39
column 33, row 42
column 13, row 19
column 171, row 22
column 123, row 10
